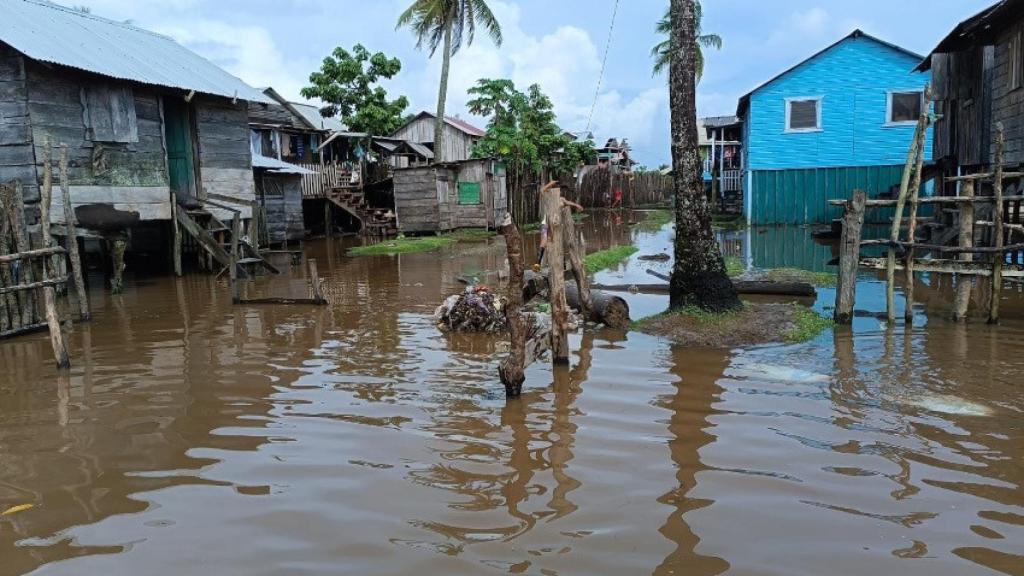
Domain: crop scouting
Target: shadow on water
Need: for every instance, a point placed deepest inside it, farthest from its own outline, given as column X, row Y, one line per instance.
column 193, row 435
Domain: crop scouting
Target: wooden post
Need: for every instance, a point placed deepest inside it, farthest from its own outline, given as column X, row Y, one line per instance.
column 316, row 284
column 21, row 244
column 915, row 194
column 328, row 225
column 551, row 203
column 999, row 258
column 849, row 257
column 571, row 244
column 175, row 235
column 512, row 368
column 60, row 351
column 117, row 254
column 71, row 237
column 894, row 235
column 964, row 283
column 10, row 315
column 236, row 231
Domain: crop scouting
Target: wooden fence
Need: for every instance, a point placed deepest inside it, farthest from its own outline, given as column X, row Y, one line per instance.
column 645, row 189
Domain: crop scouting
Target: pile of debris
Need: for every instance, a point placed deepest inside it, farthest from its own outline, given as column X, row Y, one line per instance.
column 477, row 310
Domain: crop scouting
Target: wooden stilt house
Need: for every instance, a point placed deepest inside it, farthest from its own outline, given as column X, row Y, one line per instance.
column 157, row 136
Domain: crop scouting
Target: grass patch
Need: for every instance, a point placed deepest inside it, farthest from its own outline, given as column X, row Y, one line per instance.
column 809, row 324
column 699, row 315
column 734, row 266
column 819, row 279
column 609, row 258
column 655, row 221
column 409, row 245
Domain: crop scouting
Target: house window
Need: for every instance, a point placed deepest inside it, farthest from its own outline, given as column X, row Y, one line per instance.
column 263, row 143
column 803, row 114
column 469, row 192
column 1016, row 61
column 904, row 107
column 110, row 113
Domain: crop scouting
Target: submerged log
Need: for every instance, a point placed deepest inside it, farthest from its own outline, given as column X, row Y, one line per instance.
column 606, row 309
column 759, row 287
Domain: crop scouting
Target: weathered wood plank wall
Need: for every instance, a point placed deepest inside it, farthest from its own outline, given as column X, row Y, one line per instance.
column 457, row 144
column 17, row 158
column 225, row 157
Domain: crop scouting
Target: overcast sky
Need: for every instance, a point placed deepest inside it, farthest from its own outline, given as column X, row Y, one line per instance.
column 556, row 43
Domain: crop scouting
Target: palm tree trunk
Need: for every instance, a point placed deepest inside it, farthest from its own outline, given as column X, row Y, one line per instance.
column 698, row 276
column 442, row 96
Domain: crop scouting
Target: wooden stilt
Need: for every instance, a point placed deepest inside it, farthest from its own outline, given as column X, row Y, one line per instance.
column 71, row 236
column 328, row 225
column 316, row 283
column 118, row 246
column 915, row 194
column 574, row 253
column 890, row 270
column 21, row 243
column 964, row 283
column 176, row 238
column 60, row 351
column 10, row 314
column 999, row 258
column 512, row 369
column 236, row 231
column 551, row 203
column 846, row 292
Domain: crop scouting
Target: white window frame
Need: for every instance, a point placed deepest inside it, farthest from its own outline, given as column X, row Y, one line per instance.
column 888, row 107
column 789, row 108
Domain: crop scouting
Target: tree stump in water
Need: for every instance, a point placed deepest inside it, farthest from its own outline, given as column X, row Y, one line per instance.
column 606, row 308
column 512, row 369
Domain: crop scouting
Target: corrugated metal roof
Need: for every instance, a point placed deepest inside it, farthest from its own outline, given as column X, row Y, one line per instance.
column 311, row 114
column 51, row 33
column 421, row 150
column 277, row 166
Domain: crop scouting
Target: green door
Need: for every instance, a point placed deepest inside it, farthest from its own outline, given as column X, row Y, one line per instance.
column 177, row 129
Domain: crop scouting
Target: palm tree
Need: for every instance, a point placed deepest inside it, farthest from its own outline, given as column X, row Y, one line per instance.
column 662, row 54
column 699, row 277
column 446, row 23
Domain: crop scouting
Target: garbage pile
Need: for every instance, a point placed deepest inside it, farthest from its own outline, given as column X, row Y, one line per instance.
column 475, row 311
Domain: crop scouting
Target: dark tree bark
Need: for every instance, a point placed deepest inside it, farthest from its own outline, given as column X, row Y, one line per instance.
column 698, row 277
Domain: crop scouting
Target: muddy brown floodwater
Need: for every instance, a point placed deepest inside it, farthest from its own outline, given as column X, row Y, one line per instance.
column 197, row 437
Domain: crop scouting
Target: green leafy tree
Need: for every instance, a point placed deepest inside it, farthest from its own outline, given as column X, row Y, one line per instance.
column 662, row 52
column 446, row 24
column 347, row 84
column 523, row 131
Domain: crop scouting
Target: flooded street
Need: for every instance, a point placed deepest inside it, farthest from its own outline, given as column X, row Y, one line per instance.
column 197, row 437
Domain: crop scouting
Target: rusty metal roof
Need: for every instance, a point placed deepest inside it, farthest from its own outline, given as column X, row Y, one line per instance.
column 48, row 32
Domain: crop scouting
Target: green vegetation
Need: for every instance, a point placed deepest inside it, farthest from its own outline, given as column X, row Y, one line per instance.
column 655, row 221
column 609, row 258
column 808, row 325
column 406, row 245
column 699, row 315
column 347, row 84
column 819, row 279
column 662, row 52
column 734, row 266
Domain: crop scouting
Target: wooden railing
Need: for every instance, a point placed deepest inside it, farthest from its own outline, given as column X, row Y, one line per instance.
column 326, row 177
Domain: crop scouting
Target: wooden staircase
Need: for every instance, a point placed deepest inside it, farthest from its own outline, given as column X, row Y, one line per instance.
column 216, row 239
column 372, row 221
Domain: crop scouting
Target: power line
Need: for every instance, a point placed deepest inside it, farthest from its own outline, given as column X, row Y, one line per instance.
column 604, row 63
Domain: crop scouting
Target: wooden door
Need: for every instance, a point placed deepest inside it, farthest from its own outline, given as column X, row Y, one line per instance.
column 178, row 133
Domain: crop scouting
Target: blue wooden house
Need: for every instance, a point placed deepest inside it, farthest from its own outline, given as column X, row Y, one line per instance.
column 841, row 120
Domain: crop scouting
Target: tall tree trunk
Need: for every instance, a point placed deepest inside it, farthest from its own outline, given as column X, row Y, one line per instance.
column 698, row 277
column 442, row 96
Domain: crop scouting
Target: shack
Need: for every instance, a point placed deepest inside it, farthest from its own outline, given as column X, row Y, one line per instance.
column 279, row 194
column 977, row 71
column 838, row 121
column 459, row 136
column 450, row 196
column 144, row 119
